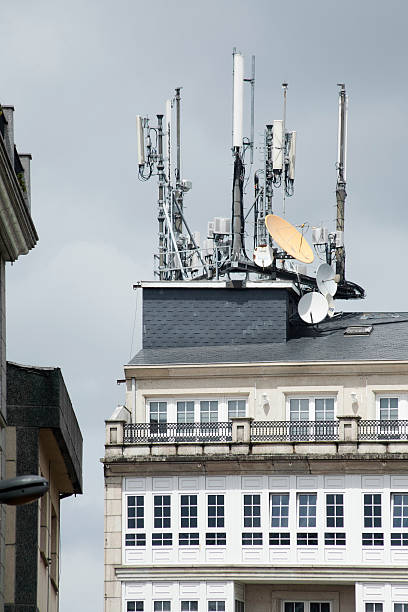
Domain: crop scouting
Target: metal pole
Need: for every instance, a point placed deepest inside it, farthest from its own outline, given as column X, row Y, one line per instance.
column 285, row 88
column 160, row 169
column 252, row 109
column 179, row 194
column 341, row 182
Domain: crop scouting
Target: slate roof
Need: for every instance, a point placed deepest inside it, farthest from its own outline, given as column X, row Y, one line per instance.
column 326, row 342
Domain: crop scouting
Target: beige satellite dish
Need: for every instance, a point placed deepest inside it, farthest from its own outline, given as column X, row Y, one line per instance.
column 289, row 239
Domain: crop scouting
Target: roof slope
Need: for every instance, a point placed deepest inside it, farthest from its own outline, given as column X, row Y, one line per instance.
column 324, row 342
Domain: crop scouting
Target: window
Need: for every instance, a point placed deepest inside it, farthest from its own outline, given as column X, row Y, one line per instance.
column 401, row 607
column 388, row 408
column 189, row 539
column 216, row 511
column 373, row 607
column 279, row 510
column 372, row 510
column 400, row 510
column 335, row 539
column 135, row 539
column 324, row 409
column 135, row 606
column 44, row 527
column 161, row 511
column 306, row 606
column 188, row 511
column 252, row 539
column 334, row 510
column 54, row 545
column 299, row 409
column 373, row 539
column 307, row 509
column 209, row 411
column 216, row 539
column 307, row 539
column 158, row 412
column 189, row 606
column 399, row 539
column 216, row 606
column 185, row 412
column 236, row 408
column 135, row 512
column 252, row 510
column 240, row 606
column 279, row 539
column 162, row 539
column 161, row 606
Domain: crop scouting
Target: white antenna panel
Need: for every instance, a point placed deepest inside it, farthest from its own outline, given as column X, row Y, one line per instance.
column 218, row 223
column 320, row 235
column 140, row 141
column 263, row 256
column 277, row 145
column 210, row 230
column 238, row 100
column 292, row 155
column 339, row 239
column 167, row 136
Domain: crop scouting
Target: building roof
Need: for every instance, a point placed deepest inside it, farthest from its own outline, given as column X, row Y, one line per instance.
column 324, row 342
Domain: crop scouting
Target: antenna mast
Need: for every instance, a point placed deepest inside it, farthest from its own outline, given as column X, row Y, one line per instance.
column 341, row 183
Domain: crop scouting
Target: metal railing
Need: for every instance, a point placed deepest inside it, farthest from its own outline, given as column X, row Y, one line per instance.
column 294, row 431
column 262, row 431
column 383, row 430
column 178, row 432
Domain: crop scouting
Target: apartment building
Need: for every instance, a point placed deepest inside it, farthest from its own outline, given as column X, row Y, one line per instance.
column 258, row 464
column 17, row 237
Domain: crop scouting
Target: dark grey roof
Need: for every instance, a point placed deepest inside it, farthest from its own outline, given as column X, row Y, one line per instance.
column 325, row 342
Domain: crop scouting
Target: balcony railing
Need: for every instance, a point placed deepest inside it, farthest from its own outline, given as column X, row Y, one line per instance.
column 383, row 430
column 178, row 432
column 262, row 431
column 294, row 431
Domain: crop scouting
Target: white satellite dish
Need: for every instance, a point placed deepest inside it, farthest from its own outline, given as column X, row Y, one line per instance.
column 313, row 307
column 330, row 302
column 263, row 256
column 325, row 279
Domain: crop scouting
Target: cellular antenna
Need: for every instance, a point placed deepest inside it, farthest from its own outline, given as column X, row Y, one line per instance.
column 341, row 183
column 238, row 100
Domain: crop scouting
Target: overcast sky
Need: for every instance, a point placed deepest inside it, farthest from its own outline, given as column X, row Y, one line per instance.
column 78, row 72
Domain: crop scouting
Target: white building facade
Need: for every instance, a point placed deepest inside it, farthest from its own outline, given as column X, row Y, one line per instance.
column 259, row 476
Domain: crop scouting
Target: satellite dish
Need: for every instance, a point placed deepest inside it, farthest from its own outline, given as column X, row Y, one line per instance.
column 263, row 256
column 325, row 279
column 330, row 302
column 313, row 307
column 289, row 239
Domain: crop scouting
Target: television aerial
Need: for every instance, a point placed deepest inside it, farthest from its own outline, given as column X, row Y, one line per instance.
column 325, row 279
column 313, row 307
column 289, row 239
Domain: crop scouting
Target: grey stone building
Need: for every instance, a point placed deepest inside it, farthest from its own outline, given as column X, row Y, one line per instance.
column 43, row 437
column 17, row 236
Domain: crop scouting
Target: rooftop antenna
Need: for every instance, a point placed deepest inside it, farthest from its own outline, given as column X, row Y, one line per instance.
column 285, row 89
column 237, row 148
column 341, row 183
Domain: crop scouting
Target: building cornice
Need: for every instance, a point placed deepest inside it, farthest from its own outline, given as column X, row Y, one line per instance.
column 317, row 574
column 266, row 369
column 17, row 231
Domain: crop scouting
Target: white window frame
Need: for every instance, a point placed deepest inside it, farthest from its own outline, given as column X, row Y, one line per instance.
column 306, row 603
column 172, row 406
column 312, row 404
column 216, row 528
column 402, row 403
